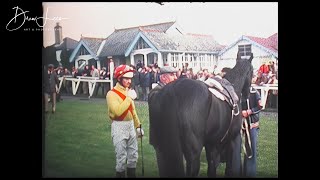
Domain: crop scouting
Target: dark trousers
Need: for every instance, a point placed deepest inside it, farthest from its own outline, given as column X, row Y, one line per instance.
column 103, row 88
column 52, row 99
column 250, row 164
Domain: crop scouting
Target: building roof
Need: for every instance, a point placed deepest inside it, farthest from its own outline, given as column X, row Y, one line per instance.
column 273, row 38
column 269, row 44
column 93, row 43
column 121, row 39
column 70, row 43
column 188, row 42
column 118, row 42
column 67, row 43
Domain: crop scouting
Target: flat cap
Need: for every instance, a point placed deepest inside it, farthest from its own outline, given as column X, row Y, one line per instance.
column 167, row 69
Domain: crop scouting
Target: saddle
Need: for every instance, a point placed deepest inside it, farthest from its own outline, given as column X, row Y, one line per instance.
column 223, row 90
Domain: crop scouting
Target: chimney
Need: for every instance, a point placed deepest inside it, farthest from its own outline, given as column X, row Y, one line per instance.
column 58, row 34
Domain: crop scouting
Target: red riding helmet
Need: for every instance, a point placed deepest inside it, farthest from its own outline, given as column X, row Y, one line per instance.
column 123, row 71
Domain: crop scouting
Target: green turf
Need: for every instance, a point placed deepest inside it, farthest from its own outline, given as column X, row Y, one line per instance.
column 78, row 143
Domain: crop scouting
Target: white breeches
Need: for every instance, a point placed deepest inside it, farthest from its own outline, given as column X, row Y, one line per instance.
column 126, row 145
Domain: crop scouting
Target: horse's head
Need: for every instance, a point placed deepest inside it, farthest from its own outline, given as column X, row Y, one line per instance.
column 240, row 76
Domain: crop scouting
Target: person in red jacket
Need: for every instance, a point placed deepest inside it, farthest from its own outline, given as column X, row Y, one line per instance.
column 264, row 68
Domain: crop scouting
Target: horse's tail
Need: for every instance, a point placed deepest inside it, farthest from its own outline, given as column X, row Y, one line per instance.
column 173, row 159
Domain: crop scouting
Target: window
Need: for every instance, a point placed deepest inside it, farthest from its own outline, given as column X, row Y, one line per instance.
column 83, row 51
column 245, row 50
column 141, row 44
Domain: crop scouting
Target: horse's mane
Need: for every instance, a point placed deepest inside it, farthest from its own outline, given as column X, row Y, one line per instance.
column 238, row 75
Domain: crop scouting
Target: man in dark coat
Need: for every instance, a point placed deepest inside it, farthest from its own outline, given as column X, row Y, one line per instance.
column 51, row 82
column 167, row 75
column 251, row 109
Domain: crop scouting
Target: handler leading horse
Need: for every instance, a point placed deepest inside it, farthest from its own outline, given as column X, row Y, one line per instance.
column 186, row 117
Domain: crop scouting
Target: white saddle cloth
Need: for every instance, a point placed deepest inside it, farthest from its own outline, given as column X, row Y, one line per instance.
column 213, row 83
column 217, row 94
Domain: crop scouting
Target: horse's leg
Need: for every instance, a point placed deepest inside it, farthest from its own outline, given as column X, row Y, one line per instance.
column 213, row 160
column 192, row 148
column 161, row 164
column 170, row 163
column 233, row 164
column 193, row 163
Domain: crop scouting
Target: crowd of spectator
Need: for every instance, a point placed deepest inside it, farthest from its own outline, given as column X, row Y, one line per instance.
column 146, row 76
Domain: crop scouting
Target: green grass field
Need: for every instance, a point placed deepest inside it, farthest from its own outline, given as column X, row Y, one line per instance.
column 78, row 143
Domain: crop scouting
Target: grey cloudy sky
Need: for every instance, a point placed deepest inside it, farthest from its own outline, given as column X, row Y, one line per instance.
column 226, row 22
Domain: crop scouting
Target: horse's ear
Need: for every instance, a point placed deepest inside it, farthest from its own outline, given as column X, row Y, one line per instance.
column 251, row 57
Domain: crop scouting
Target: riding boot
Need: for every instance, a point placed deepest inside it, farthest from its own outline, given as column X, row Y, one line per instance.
column 131, row 172
column 121, row 174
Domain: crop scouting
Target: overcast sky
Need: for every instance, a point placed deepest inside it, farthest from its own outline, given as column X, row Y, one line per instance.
column 226, row 22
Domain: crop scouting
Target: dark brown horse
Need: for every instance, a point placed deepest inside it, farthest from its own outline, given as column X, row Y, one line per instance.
column 185, row 117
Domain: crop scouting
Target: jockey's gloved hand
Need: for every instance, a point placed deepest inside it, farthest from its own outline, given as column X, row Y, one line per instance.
column 132, row 94
column 140, row 132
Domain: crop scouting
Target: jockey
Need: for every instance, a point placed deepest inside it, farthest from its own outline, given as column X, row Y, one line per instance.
column 125, row 126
